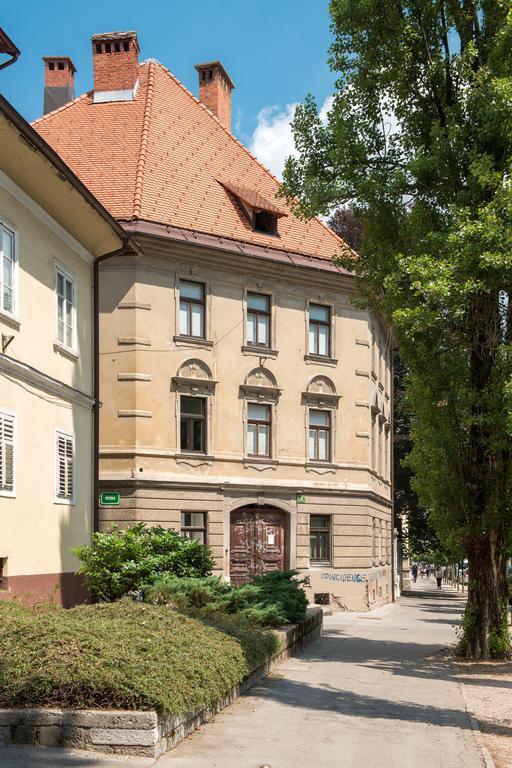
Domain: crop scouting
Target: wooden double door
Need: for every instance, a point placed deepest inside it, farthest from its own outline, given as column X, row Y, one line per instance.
column 257, row 542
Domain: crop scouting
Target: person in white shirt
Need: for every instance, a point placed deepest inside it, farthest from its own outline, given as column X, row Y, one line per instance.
column 438, row 573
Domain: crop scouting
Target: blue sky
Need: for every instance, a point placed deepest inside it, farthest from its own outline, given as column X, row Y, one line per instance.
column 274, row 50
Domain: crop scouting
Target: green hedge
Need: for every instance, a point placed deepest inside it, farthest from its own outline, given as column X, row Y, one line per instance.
column 271, row 600
column 123, row 655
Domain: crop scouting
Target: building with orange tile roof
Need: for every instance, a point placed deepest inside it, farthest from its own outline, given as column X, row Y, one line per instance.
column 245, row 398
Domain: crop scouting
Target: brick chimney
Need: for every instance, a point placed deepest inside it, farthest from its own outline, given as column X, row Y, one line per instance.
column 115, row 57
column 215, row 88
column 59, row 82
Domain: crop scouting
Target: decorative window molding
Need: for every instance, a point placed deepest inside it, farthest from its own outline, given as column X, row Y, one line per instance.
column 194, row 377
column 260, row 385
column 321, row 393
column 260, row 389
column 9, row 270
column 7, row 453
column 65, row 309
column 320, row 320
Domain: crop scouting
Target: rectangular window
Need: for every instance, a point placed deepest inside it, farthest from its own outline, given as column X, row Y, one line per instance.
column 65, row 288
column 193, row 424
column 6, row 454
column 192, row 309
column 319, row 442
column 7, row 270
column 65, row 467
column 319, row 330
column 258, row 430
column 320, row 538
column 258, row 320
column 193, row 526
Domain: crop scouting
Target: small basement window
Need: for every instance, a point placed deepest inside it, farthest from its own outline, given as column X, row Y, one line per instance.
column 266, row 222
column 321, row 598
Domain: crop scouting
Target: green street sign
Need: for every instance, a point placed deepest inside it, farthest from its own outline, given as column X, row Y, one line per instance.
column 110, row 498
column 301, row 499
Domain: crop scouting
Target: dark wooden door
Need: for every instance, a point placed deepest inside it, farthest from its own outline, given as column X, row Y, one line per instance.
column 257, row 542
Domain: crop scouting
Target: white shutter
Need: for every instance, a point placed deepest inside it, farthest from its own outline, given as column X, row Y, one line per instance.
column 6, row 453
column 65, row 468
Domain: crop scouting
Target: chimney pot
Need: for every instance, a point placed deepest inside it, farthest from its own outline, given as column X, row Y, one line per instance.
column 115, row 57
column 59, row 82
column 215, row 88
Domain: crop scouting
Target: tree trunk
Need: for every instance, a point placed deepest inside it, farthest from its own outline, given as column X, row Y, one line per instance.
column 487, row 594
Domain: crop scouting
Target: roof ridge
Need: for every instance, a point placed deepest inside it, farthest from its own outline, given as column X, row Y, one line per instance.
column 62, row 108
column 336, row 237
column 143, row 149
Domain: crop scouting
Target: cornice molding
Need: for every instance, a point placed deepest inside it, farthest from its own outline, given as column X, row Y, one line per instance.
column 25, row 372
column 39, row 212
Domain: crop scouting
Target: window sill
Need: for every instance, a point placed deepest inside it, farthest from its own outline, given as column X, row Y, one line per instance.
column 259, row 351
column 320, row 564
column 65, row 351
column 195, row 459
column 195, row 341
column 8, row 494
column 316, row 466
column 266, row 460
column 65, row 502
column 320, row 360
column 11, row 320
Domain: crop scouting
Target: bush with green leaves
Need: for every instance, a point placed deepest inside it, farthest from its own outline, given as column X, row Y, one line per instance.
column 270, row 600
column 119, row 562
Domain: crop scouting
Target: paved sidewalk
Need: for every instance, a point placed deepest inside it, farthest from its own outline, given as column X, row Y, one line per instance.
column 378, row 690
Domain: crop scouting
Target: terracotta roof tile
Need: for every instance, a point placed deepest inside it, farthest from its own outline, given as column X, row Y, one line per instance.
column 160, row 158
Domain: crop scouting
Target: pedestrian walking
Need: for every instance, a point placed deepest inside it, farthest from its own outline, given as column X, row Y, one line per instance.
column 414, row 571
column 438, row 573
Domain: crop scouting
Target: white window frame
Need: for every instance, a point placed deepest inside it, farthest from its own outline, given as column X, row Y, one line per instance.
column 70, row 436
column 13, row 416
column 67, row 275
column 12, row 230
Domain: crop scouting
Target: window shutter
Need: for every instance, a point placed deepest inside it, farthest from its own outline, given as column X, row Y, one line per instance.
column 65, row 467
column 6, row 452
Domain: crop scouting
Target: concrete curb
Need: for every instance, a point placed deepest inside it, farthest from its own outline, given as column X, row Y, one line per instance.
column 135, row 732
column 474, row 724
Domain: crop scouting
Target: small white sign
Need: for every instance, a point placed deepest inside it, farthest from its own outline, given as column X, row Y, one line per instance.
column 271, row 539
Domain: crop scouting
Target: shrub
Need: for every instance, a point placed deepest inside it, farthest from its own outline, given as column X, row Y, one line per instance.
column 121, row 561
column 270, row 600
column 123, row 655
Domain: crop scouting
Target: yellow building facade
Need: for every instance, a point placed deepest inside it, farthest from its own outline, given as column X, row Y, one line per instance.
column 50, row 236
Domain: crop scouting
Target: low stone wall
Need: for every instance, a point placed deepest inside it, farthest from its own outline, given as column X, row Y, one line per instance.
column 132, row 732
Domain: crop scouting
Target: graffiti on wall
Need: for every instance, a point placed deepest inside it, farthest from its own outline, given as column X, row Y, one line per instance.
column 355, row 578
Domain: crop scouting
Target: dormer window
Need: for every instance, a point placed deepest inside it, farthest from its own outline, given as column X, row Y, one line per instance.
column 265, row 222
column 259, row 212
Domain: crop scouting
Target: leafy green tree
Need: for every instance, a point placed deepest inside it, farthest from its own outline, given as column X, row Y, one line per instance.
column 419, row 142
column 122, row 561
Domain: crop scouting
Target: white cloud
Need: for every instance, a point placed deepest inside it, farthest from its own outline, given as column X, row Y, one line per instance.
column 272, row 140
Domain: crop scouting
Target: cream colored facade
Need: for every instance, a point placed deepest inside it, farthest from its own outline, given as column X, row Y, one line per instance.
column 146, row 367
column 46, row 371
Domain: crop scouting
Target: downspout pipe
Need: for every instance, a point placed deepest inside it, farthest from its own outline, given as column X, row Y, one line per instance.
column 127, row 247
column 7, row 46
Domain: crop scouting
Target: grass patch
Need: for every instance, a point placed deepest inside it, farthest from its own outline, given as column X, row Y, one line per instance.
column 123, row 655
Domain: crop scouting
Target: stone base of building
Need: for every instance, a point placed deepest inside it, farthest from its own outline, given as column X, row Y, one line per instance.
column 349, row 589
column 65, row 589
column 359, row 576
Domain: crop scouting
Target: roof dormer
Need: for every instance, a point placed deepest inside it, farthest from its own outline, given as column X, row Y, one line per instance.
column 262, row 214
